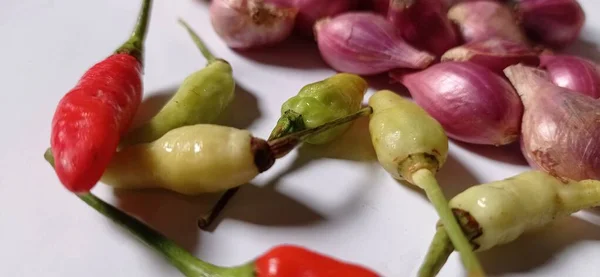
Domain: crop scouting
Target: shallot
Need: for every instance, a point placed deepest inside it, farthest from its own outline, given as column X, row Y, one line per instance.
column 481, row 20
column 554, row 23
column 424, row 24
column 495, row 54
column 365, row 43
column 244, row 24
column 574, row 73
column 472, row 103
column 560, row 129
column 310, row 11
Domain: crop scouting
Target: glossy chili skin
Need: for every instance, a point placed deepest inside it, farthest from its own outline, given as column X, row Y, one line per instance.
column 294, row 261
column 91, row 117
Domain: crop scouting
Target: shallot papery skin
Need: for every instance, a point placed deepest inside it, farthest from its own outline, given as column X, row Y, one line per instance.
column 365, row 43
column 245, row 24
column 553, row 23
column 560, row 132
column 424, row 24
column 574, row 73
column 495, row 54
column 473, row 104
column 481, row 20
column 310, row 11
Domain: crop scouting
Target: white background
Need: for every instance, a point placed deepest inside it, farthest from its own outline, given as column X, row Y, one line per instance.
column 336, row 201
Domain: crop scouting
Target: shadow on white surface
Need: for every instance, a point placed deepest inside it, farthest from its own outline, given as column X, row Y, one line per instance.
column 242, row 111
column 295, row 52
column 171, row 214
column 264, row 205
column 453, row 178
column 535, row 249
column 152, row 104
column 267, row 207
column 510, row 154
column 383, row 81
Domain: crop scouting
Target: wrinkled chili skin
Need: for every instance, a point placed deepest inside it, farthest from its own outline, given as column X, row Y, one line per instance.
column 293, row 261
column 90, row 119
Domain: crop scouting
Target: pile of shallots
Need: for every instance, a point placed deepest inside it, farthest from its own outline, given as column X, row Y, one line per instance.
column 490, row 71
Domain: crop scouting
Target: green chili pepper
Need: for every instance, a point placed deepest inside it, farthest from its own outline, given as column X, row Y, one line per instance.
column 201, row 98
column 320, row 102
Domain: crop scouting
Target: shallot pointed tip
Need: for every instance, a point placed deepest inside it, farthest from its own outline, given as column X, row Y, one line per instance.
column 526, row 80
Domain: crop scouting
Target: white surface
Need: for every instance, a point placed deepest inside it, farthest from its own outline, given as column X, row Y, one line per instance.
column 349, row 209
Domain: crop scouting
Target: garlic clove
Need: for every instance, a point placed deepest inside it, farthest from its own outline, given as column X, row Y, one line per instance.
column 472, row 103
column 560, row 128
column 365, row 43
column 574, row 73
column 245, row 24
column 481, row 20
column 496, row 54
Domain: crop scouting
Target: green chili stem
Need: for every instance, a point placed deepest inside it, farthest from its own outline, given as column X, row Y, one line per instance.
column 198, row 41
column 206, row 219
column 439, row 250
column 425, row 179
column 135, row 44
column 288, row 123
column 285, row 144
column 184, row 261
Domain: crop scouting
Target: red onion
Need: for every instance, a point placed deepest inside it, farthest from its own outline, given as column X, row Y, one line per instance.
column 554, row 23
column 424, row 24
column 246, row 24
column 481, row 20
column 573, row 72
column 365, row 43
column 472, row 103
column 495, row 54
column 560, row 129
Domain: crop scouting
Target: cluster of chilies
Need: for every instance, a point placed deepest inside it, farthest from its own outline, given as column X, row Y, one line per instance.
column 92, row 140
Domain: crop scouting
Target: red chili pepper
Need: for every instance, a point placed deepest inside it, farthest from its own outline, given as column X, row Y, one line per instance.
column 294, row 261
column 91, row 117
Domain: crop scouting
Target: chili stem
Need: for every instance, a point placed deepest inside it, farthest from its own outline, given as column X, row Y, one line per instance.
column 177, row 256
column 303, row 134
column 198, row 41
column 285, row 144
column 440, row 249
column 425, row 179
column 208, row 218
column 135, row 44
column 288, row 123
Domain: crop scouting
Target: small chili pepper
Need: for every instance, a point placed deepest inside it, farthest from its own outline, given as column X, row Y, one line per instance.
column 320, row 102
column 203, row 158
column 90, row 119
column 412, row 146
column 499, row 212
column 315, row 104
column 280, row 261
column 201, row 98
